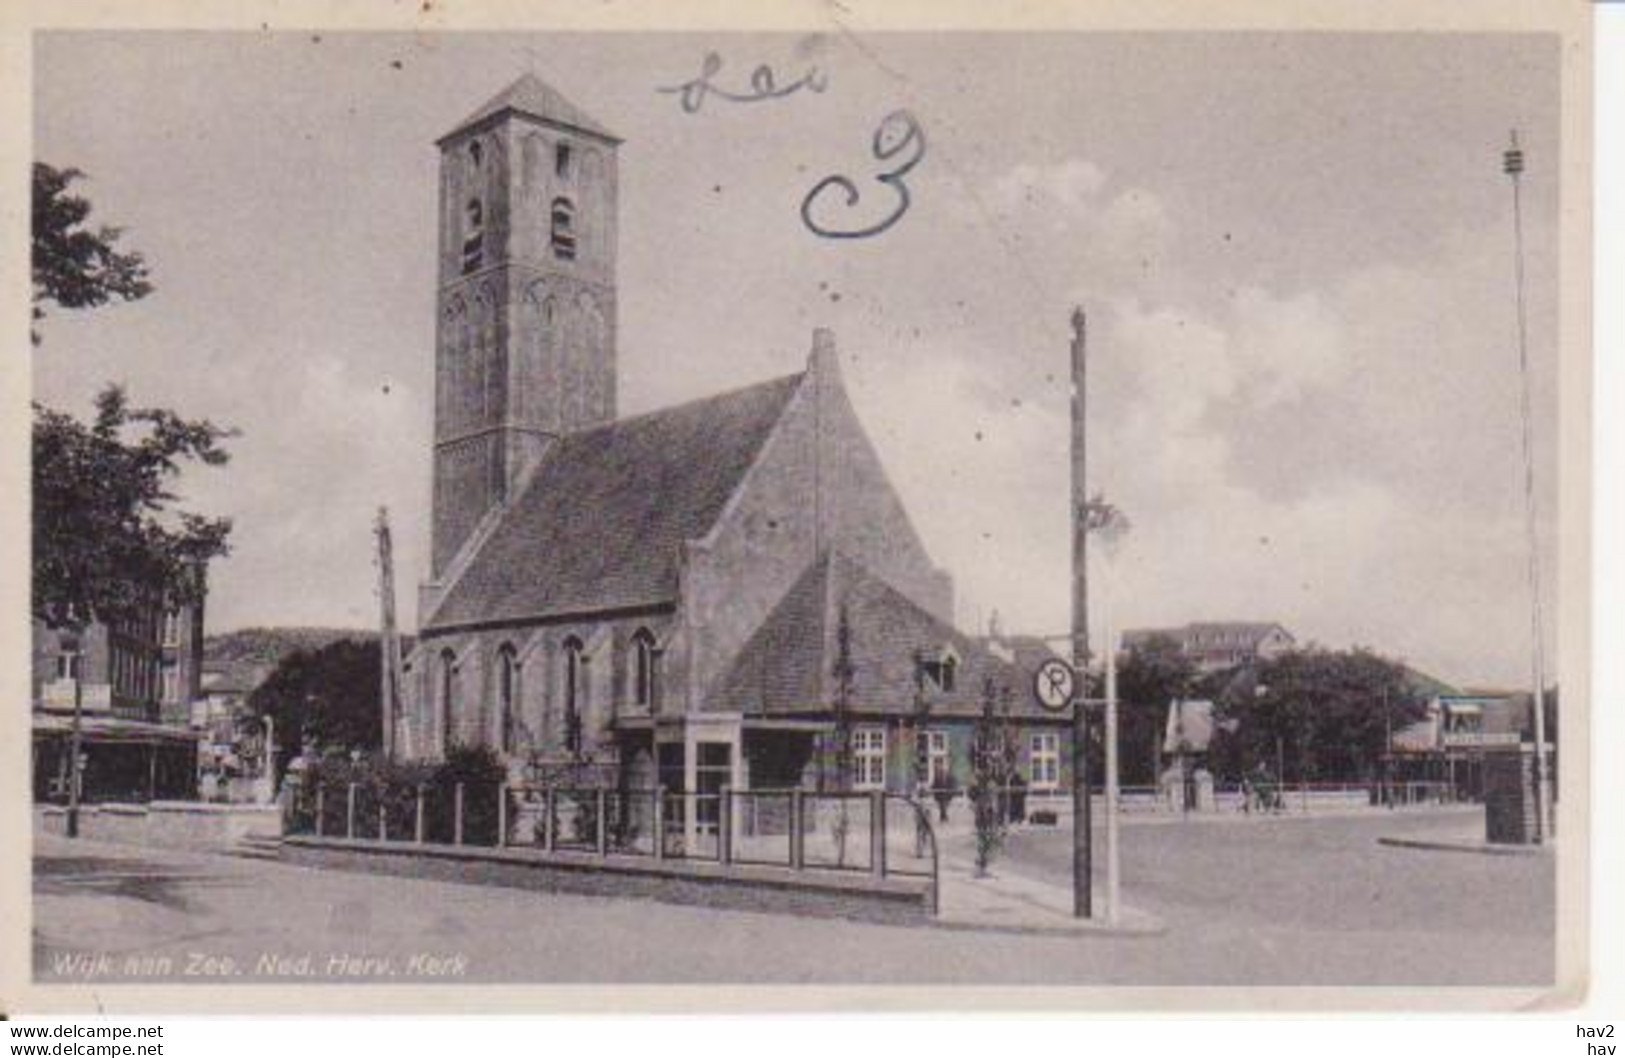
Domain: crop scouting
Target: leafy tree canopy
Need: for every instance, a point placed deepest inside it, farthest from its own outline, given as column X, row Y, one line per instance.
column 1153, row 674
column 74, row 266
column 1328, row 713
column 107, row 539
column 328, row 696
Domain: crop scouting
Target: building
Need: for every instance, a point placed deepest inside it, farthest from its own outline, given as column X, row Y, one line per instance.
column 1218, row 645
column 136, row 681
column 1447, row 747
column 667, row 597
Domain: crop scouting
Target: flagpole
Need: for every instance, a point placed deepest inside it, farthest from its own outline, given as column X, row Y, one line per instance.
column 1512, row 165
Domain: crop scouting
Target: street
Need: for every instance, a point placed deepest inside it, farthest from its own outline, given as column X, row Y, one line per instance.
column 1246, row 902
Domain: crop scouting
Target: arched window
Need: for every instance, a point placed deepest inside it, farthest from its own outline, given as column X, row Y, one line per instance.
column 564, row 228
column 575, row 692
column 473, row 235
column 446, row 700
column 476, row 155
column 507, row 693
column 644, row 658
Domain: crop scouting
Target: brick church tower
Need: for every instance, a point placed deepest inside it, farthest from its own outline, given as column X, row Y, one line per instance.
column 525, row 342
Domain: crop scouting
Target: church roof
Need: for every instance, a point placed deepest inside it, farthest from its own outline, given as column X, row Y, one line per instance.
column 531, row 96
column 788, row 664
column 601, row 522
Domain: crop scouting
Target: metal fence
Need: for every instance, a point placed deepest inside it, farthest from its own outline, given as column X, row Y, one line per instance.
column 873, row 833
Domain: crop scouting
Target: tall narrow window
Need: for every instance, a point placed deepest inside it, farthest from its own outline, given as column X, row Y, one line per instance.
column 644, row 657
column 561, row 161
column 446, row 701
column 564, row 228
column 575, row 687
column 473, row 236
column 507, row 693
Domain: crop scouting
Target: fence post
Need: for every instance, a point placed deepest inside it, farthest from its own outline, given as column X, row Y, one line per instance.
column 457, row 814
column 383, row 818
column 1303, row 791
column 321, row 805
column 877, row 833
column 349, row 811
column 725, row 851
column 502, row 815
column 660, row 823
column 601, row 799
column 798, row 834
column 549, row 829
column 417, row 824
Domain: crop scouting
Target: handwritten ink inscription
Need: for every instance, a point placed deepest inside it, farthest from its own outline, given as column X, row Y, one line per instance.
column 691, row 95
column 898, row 136
column 899, row 142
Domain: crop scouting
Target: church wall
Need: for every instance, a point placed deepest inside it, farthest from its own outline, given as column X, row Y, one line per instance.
column 817, row 467
column 540, row 694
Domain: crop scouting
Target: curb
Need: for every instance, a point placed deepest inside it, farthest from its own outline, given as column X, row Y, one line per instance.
column 1482, row 848
column 1133, row 925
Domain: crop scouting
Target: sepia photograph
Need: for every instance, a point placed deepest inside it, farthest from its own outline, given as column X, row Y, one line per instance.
column 937, row 508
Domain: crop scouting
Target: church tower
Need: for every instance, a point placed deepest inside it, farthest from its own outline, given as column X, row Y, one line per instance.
column 525, row 334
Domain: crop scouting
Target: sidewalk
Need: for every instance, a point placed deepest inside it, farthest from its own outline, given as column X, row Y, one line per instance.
column 1007, row 901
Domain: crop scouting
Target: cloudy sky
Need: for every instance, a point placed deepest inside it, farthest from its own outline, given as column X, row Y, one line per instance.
column 1294, row 252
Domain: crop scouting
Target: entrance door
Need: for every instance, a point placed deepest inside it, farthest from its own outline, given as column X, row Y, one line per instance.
column 713, row 769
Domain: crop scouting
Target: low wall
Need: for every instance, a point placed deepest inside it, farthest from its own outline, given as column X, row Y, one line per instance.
column 168, row 824
column 828, row 894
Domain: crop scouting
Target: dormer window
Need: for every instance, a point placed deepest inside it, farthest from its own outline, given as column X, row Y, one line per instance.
column 564, row 230
column 473, row 236
column 561, row 161
column 940, row 671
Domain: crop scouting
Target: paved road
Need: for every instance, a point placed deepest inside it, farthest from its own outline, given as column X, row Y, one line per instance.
column 1263, row 902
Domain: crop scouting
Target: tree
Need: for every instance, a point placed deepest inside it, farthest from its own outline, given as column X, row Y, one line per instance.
column 75, row 267
column 108, row 539
column 1328, row 713
column 1151, row 676
column 328, row 696
column 992, row 766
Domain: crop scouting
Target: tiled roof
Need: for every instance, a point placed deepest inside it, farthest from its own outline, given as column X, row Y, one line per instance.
column 600, row 523
column 787, row 666
column 1207, row 633
column 530, row 95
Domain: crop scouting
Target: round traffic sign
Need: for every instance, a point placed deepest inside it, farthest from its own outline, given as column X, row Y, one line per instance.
column 1054, row 684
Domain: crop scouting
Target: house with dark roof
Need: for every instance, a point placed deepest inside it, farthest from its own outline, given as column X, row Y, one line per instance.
column 697, row 596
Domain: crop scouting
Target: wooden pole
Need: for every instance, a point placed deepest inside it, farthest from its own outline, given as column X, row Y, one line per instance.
column 1082, row 824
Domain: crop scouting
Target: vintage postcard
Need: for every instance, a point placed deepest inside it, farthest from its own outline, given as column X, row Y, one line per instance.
column 867, row 506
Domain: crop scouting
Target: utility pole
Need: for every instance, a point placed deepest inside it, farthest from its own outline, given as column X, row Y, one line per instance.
column 389, row 643
column 76, row 740
column 1512, row 165
column 1082, row 824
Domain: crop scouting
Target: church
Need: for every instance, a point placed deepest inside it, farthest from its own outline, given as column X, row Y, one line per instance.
column 690, row 596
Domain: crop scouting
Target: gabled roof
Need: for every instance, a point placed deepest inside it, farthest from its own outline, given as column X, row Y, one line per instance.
column 535, row 98
column 1191, row 724
column 603, row 518
column 788, row 665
